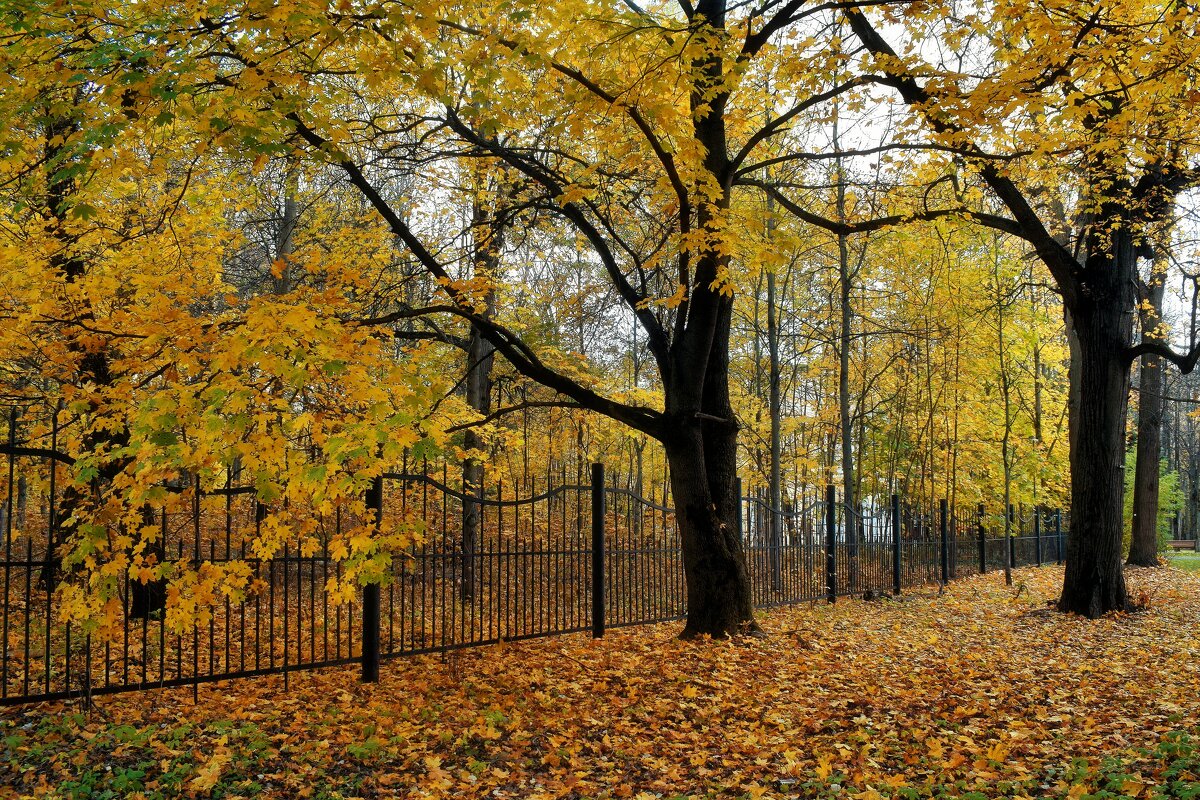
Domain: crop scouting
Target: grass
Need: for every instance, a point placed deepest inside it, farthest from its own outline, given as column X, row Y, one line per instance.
column 1185, row 560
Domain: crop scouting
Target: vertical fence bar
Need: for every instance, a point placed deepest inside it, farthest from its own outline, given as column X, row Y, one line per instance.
column 1037, row 533
column 597, row 550
column 831, row 544
column 1012, row 540
column 29, row 606
column 896, row 545
column 51, row 532
column 10, row 511
column 287, row 594
column 370, row 605
column 944, row 529
column 979, row 514
column 1058, row 542
column 196, row 565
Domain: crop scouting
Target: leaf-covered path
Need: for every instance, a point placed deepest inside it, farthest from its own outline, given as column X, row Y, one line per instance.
column 979, row 692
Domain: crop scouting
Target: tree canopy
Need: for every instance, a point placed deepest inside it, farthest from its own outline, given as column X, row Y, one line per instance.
column 258, row 237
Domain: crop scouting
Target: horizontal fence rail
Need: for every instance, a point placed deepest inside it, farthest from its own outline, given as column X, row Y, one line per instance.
column 492, row 564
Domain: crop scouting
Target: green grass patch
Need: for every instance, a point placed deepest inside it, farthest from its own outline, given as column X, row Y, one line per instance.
column 1185, row 560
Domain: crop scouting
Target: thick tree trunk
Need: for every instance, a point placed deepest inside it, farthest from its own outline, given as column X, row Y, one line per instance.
column 1094, row 582
column 703, row 459
column 700, row 430
column 703, row 472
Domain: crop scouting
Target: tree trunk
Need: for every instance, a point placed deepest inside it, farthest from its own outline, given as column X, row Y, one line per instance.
column 93, row 367
column 703, row 470
column 149, row 597
column 700, row 430
column 845, row 318
column 281, row 278
column 480, row 356
column 1099, row 331
column 775, row 493
column 1143, row 546
column 488, row 237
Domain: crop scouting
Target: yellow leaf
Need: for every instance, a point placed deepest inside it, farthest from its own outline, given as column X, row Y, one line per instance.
column 1132, row 787
column 998, row 752
column 209, row 773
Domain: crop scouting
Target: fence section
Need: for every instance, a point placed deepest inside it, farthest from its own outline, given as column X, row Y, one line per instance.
column 490, row 564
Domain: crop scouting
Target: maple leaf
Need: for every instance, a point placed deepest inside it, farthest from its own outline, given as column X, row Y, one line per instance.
column 208, row 775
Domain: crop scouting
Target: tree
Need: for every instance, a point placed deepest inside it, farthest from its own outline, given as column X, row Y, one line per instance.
column 1143, row 548
column 648, row 188
column 1073, row 68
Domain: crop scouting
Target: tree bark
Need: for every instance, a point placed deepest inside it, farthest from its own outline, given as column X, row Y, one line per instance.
column 702, row 482
column 1100, row 327
column 775, row 493
column 1143, row 545
column 480, row 356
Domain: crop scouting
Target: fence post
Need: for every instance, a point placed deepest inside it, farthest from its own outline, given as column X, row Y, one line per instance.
column 1012, row 540
column 944, row 529
column 1058, row 543
column 598, row 550
column 896, row 552
column 370, row 607
column 1037, row 533
column 831, row 543
column 980, row 512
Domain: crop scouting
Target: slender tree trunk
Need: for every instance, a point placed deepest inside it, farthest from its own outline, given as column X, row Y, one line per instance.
column 480, row 355
column 282, row 280
column 775, row 498
column 1006, row 448
column 845, row 320
column 1143, row 546
column 487, row 241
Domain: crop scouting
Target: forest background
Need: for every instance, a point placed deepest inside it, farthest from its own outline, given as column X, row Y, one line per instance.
column 300, row 242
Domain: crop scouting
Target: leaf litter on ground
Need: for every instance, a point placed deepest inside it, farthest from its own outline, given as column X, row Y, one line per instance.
column 977, row 691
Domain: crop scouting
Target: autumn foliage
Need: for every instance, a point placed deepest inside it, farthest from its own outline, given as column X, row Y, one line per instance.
column 978, row 692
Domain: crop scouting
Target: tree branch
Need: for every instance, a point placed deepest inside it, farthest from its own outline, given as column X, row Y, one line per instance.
column 774, row 126
column 993, row 221
column 1186, row 362
column 512, row 409
column 657, row 336
column 62, row 458
column 661, row 151
column 1063, row 265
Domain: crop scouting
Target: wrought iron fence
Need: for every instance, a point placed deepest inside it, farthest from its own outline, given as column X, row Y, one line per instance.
column 495, row 563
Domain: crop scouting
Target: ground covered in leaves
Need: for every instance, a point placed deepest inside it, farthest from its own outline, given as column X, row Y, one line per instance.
column 978, row 692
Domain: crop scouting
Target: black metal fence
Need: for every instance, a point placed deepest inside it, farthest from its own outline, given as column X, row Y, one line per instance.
column 496, row 564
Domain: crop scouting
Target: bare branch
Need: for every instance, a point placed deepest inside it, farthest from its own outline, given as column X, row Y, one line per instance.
column 993, row 221
column 506, row 342
column 500, row 412
column 1186, row 362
